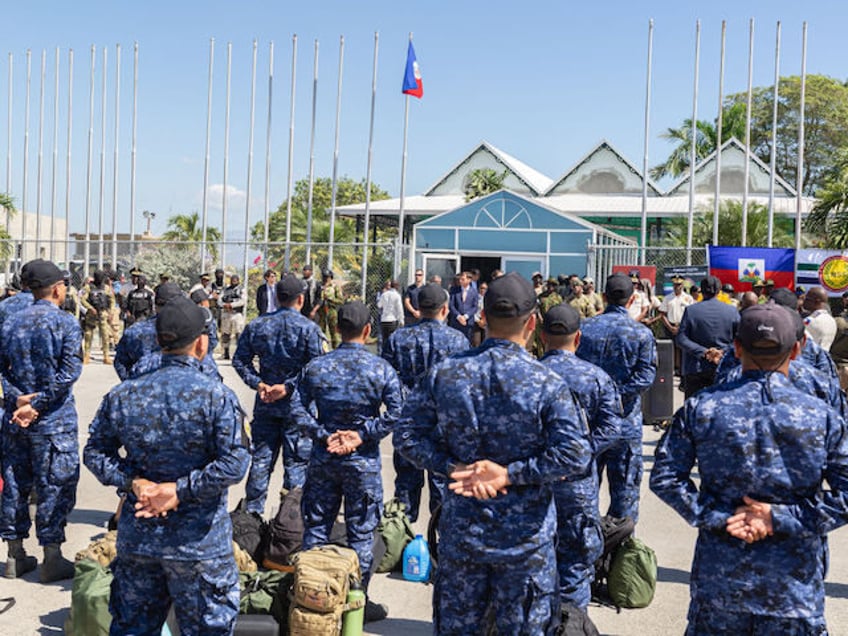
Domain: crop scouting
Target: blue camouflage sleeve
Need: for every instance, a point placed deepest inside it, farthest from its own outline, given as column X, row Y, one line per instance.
column 606, row 429
column 644, row 371
column 417, row 435
column 376, row 428
column 101, row 451
column 70, row 367
column 243, row 359
column 301, row 409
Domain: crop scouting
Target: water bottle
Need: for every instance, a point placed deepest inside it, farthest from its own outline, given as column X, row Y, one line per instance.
column 416, row 560
column 353, row 619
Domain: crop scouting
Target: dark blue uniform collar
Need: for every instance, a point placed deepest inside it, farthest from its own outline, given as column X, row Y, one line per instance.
column 490, row 343
column 351, row 345
column 169, row 360
column 43, row 302
column 617, row 309
column 756, row 374
column 557, row 352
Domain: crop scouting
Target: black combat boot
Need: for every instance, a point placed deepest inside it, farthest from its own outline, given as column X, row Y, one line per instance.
column 55, row 566
column 18, row 563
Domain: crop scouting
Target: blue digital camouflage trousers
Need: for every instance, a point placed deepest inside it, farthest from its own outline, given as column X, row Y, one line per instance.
column 269, row 436
column 50, row 465
column 522, row 596
column 623, row 462
column 409, row 481
column 205, row 595
column 358, row 480
column 709, row 621
column 580, row 540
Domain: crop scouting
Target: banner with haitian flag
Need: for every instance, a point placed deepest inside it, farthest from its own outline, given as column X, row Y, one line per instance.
column 822, row 268
column 741, row 266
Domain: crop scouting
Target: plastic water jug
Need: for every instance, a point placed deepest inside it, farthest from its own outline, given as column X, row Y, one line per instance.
column 416, row 560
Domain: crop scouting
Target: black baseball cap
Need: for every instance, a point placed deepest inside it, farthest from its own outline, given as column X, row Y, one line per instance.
column 166, row 292
column 785, row 298
column 770, row 324
column 179, row 322
column 509, row 296
column 354, row 315
column 561, row 320
column 288, row 288
column 198, row 296
column 431, row 296
column 41, row 274
column 619, row 287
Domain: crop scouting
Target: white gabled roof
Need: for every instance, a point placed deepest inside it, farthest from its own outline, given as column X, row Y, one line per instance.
column 603, row 144
column 535, row 180
column 415, row 205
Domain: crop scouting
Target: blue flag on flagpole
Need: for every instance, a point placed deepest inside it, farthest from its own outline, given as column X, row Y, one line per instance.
column 412, row 84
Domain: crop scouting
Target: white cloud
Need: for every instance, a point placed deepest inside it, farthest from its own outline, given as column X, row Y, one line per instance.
column 235, row 196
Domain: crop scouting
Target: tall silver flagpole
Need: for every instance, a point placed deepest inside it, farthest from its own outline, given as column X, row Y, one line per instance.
column 24, row 206
column 368, row 171
column 226, row 157
column 52, row 233
column 205, row 206
column 773, row 161
column 644, row 229
column 312, row 157
column 89, row 169
column 268, row 155
column 692, row 152
column 719, row 141
column 133, row 152
column 40, row 162
column 401, row 211
column 747, row 171
column 290, row 180
column 799, row 178
column 68, row 160
column 115, row 158
column 102, row 205
column 336, row 158
column 250, row 158
column 9, row 156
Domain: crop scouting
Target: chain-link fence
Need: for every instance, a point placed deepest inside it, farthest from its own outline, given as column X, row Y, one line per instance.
column 603, row 258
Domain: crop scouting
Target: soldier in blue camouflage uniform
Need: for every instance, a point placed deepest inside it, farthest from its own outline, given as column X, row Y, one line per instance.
column 626, row 350
column 413, row 352
column 40, row 362
column 347, row 388
column 20, row 300
column 579, row 530
column 504, row 428
column 173, row 442
column 762, row 449
column 284, row 341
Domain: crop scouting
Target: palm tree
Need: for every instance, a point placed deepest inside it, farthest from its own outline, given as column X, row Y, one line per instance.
column 482, row 181
column 829, row 216
column 730, row 227
column 7, row 203
column 186, row 228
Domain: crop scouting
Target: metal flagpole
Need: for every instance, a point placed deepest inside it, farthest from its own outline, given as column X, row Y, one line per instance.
column 102, row 206
column 205, row 206
column 89, row 168
column 40, row 162
column 773, row 162
column 52, row 233
column 26, row 160
column 694, row 142
column 336, row 158
column 250, row 158
column 748, row 133
column 644, row 232
column 133, row 152
column 226, row 156
column 368, row 170
column 312, row 158
column 115, row 158
column 9, row 154
column 799, row 178
column 291, row 155
column 267, row 198
column 719, row 131
column 399, row 246
column 68, row 160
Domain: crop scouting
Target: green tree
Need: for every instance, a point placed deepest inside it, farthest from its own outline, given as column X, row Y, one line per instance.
column 730, row 227
column 7, row 202
column 181, row 261
column 186, row 228
column 829, row 217
column 482, row 181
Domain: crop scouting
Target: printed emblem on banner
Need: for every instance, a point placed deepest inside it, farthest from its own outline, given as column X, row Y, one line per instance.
column 833, row 273
column 750, row 269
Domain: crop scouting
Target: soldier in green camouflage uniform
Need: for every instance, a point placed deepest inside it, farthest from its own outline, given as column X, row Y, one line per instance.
column 97, row 299
column 547, row 299
column 332, row 298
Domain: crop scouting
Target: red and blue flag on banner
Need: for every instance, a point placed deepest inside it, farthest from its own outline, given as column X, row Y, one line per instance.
column 412, row 76
column 741, row 266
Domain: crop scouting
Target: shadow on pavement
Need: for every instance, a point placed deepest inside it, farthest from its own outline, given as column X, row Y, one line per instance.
column 405, row 626
column 53, row 622
column 91, row 517
column 673, row 575
column 836, row 590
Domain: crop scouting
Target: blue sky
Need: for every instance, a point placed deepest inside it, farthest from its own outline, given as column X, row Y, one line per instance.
column 544, row 81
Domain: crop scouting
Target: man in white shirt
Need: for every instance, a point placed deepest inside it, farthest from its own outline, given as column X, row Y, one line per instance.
column 672, row 307
column 390, row 305
column 821, row 326
column 638, row 308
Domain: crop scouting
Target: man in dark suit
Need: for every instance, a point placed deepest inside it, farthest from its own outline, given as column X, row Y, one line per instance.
column 463, row 306
column 706, row 330
column 266, row 294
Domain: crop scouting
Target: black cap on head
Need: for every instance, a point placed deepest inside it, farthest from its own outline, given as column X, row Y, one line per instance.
column 618, row 288
column 785, row 298
column 307, row 268
column 353, row 316
column 710, row 286
column 561, row 320
column 770, row 326
column 328, row 273
column 179, row 323
column 431, row 296
column 198, row 296
column 289, row 287
column 219, row 271
column 509, row 296
column 728, row 288
column 41, row 274
column 166, row 292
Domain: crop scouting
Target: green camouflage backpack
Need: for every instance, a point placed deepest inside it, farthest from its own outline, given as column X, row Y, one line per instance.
column 396, row 532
